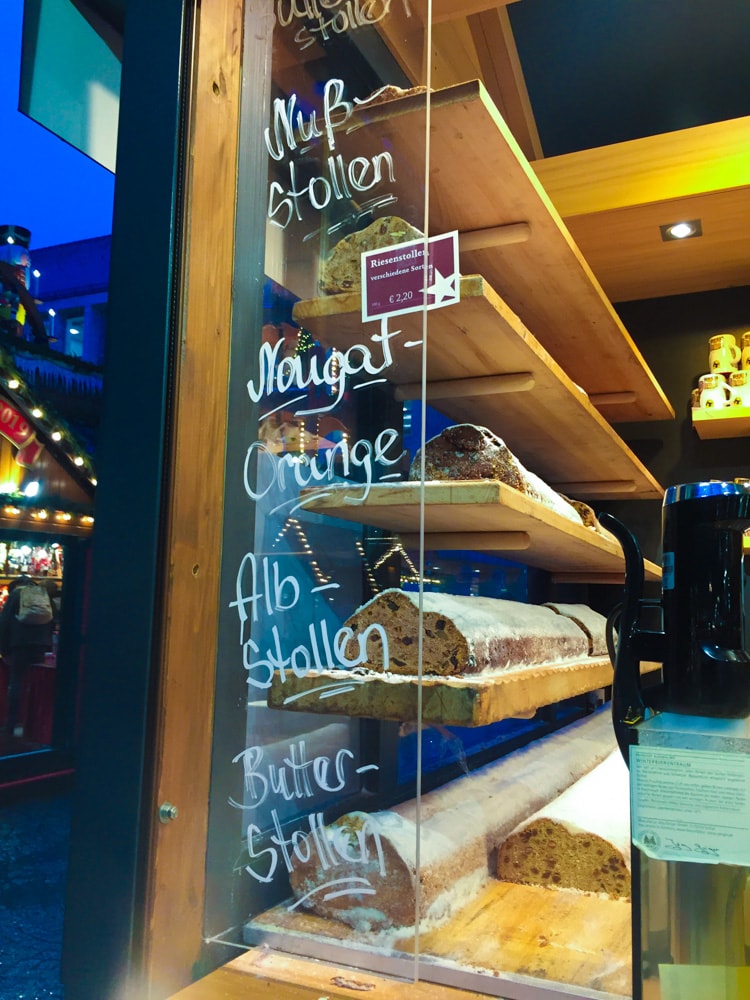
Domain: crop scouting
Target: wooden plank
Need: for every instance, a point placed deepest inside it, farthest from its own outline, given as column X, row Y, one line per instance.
column 549, row 935
column 261, row 972
column 453, row 10
column 469, row 41
column 449, row 701
column 76, row 527
column 731, row 422
column 503, row 77
column 174, row 906
column 454, row 57
column 555, row 543
column 450, row 10
column 404, row 37
column 479, row 541
column 555, row 935
column 554, row 429
column 480, row 239
column 482, row 385
column 545, row 280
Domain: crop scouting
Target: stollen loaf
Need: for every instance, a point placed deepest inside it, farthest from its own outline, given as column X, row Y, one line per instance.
column 389, row 92
column 362, row 868
column 467, row 451
column 341, row 271
column 579, row 840
column 460, row 635
column 592, row 623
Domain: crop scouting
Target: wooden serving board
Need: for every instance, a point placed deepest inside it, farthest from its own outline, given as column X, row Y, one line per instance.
column 539, row 411
column 555, row 935
column 552, row 934
column 458, row 514
column 448, row 701
column 545, row 279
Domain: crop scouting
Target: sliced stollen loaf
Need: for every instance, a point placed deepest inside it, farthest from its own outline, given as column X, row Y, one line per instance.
column 580, row 840
column 466, row 451
column 461, row 635
column 362, row 868
column 389, row 92
column 341, row 272
column 586, row 513
column 592, row 623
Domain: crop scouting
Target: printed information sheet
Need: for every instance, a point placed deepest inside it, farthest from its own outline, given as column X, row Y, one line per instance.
column 691, row 805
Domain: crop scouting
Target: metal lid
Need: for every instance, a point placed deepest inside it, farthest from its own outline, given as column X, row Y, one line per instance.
column 710, row 488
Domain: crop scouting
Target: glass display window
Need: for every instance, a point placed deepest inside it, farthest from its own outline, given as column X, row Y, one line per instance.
column 411, row 668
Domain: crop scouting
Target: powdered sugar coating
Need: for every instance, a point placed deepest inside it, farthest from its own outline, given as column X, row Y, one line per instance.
column 463, row 635
column 462, row 824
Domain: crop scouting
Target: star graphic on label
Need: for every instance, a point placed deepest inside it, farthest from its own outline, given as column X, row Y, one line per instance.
column 443, row 287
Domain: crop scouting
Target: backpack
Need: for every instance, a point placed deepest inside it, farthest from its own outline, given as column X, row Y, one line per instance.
column 34, row 607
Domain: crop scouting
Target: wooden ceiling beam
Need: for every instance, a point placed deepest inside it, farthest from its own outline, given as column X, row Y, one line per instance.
column 614, row 200
column 707, row 158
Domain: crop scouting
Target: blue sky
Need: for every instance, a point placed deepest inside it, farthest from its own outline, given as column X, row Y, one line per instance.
column 45, row 184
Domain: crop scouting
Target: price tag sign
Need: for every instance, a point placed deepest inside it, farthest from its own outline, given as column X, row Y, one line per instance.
column 399, row 280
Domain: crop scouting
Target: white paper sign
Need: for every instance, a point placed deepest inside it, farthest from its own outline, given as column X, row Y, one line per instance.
column 704, row 982
column 690, row 805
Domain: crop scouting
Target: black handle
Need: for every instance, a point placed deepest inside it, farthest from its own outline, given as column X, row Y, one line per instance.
column 628, row 706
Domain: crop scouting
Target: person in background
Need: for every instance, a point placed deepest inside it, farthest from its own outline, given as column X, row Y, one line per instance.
column 53, row 589
column 22, row 644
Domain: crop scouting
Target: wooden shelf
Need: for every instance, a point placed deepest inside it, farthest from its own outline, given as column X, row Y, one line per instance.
column 525, row 932
column 473, row 700
column 725, row 423
column 554, row 428
column 545, row 278
column 457, row 512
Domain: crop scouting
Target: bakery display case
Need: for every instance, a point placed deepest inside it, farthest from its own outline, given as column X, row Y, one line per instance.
column 415, row 586
column 358, row 255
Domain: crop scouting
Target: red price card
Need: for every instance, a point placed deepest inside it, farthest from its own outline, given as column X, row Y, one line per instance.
column 399, row 280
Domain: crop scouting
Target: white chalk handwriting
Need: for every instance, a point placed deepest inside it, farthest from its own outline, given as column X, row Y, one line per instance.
column 363, row 455
column 298, row 778
column 324, row 18
column 277, row 373
column 340, row 179
column 334, row 847
column 322, row 650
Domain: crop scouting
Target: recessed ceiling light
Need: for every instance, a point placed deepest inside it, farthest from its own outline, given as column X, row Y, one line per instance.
column 682, row 230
